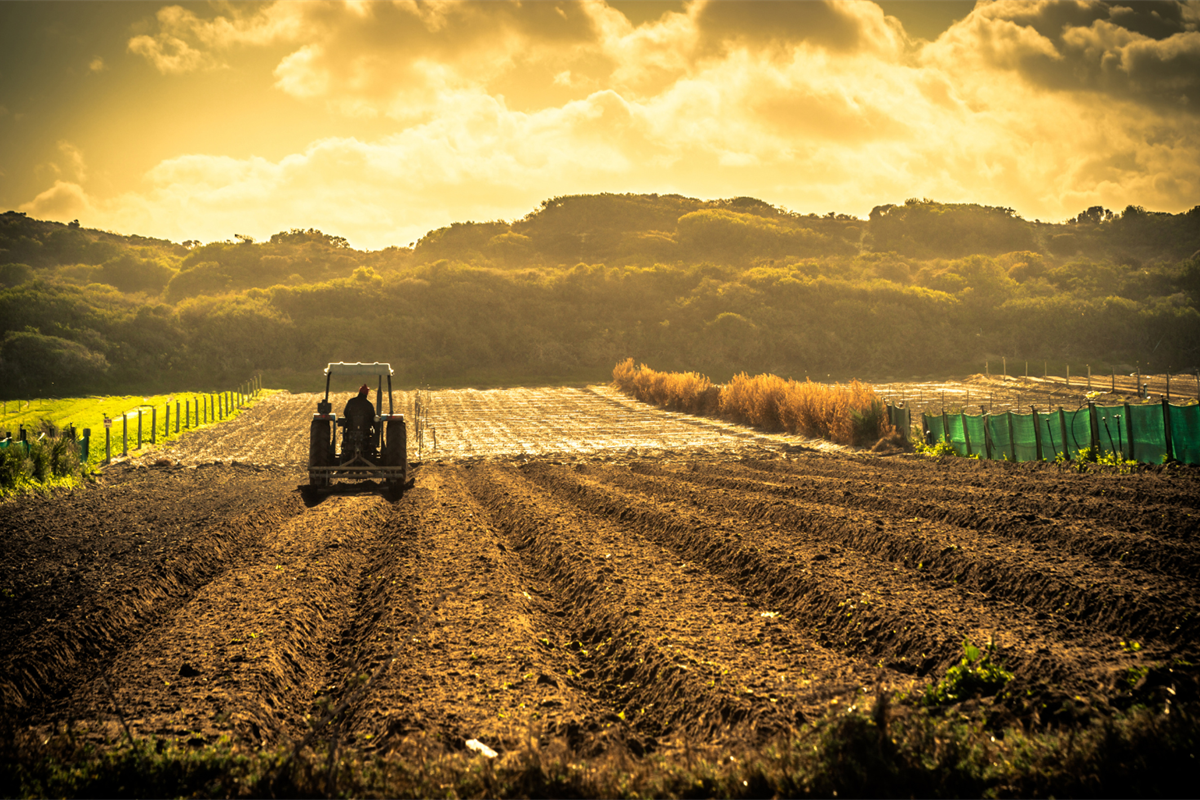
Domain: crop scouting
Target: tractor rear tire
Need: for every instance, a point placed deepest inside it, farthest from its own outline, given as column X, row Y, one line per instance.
column 395, row 450
column 319, row 451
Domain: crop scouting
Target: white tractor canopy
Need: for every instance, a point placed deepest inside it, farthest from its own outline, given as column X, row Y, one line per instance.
column 359, row 368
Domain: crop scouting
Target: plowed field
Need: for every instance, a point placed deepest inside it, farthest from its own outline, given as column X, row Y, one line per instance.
column 568, row 563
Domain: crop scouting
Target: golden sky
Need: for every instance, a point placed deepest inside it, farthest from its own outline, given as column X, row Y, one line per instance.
column 379, row 121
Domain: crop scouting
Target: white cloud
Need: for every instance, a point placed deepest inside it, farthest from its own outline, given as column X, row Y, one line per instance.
column 63, row 201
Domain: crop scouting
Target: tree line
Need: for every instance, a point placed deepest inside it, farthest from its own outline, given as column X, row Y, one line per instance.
column 585, row 281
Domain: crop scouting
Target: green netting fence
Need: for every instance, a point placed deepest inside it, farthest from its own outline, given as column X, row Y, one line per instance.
column 1150, row 434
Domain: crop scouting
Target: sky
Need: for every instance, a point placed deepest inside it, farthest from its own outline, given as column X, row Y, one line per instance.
column 381, row 121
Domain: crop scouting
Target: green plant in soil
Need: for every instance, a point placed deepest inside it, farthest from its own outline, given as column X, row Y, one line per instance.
column 977, row 674
column 942, row 448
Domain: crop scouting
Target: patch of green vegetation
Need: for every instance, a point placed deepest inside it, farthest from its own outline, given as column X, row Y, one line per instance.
column 976, row 675
column 937, row 450
column 878, row 748
column 54, row 461
column 1092, row 459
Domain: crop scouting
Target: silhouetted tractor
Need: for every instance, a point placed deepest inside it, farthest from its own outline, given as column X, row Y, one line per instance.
column 370, row 448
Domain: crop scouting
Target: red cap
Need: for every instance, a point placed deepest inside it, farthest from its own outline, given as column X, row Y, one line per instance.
column 364, row 389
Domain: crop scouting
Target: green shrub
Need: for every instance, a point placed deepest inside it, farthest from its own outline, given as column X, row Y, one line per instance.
column 976, row 675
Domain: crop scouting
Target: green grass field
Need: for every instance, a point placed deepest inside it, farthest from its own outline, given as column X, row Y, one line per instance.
column 161, row 422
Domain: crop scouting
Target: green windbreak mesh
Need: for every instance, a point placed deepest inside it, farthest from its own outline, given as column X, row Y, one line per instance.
column 955, row 433
column 1079, row 431
column 1024, row 438
column 1149, row 434
column 1071, row 431
column 1052, row 435
column 998, row 431
column 1185, row 433
column 936, row 430
column 974, row 428
column 1110, row 427
column 898, row 417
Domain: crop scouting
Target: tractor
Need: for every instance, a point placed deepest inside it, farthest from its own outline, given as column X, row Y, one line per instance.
column 369, row 448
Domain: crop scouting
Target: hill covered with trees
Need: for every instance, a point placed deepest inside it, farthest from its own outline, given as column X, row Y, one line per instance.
column 585, row 281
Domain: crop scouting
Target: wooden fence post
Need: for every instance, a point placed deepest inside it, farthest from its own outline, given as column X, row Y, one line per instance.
column 1037, row 433
column 177, row 416
column 1012, row 438
column 1169, row 445
column 167, row 421
column 1094, row 427
column 153, row 425
column 1128, row 430
column 107, row 440
column 1062, row 428
column 139, row 447
column 125, row 434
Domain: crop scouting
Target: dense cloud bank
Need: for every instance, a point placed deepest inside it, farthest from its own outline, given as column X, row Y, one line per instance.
column 1046, row 107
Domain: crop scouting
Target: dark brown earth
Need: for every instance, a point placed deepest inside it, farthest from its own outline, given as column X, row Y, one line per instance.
column 568, row 563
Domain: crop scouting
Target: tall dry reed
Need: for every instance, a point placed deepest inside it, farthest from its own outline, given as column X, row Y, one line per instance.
column 690, row 392
column 847, row 414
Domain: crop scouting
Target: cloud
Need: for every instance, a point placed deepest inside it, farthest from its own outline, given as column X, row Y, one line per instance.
column 400, row 59
column 73, row 164
column 1147, row 53
column 97, row 64
column 1044, row 107
column 848, row 26
column 63, row 201
column 171, row 55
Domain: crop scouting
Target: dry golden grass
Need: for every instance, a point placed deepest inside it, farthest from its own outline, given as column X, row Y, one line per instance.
column 846, row 414
column 678, row 391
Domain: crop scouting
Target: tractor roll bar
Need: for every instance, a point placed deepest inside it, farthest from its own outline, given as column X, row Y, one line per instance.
column 355, row 368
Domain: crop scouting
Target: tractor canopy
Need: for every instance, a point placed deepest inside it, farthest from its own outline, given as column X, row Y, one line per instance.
column 359, row 368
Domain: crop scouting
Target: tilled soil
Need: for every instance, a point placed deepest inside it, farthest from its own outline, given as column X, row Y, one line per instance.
column 570, row 564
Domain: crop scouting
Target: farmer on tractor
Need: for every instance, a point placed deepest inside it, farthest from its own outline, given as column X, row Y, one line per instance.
column 372, row 446
column 359, row 415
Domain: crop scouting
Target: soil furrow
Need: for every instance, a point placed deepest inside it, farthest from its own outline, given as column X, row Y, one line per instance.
column 1136, row 606
column 680, row 652
column 479, row 653
column 655, row 666
column 858, row 604
column 133, row 567
column 1071, row 524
